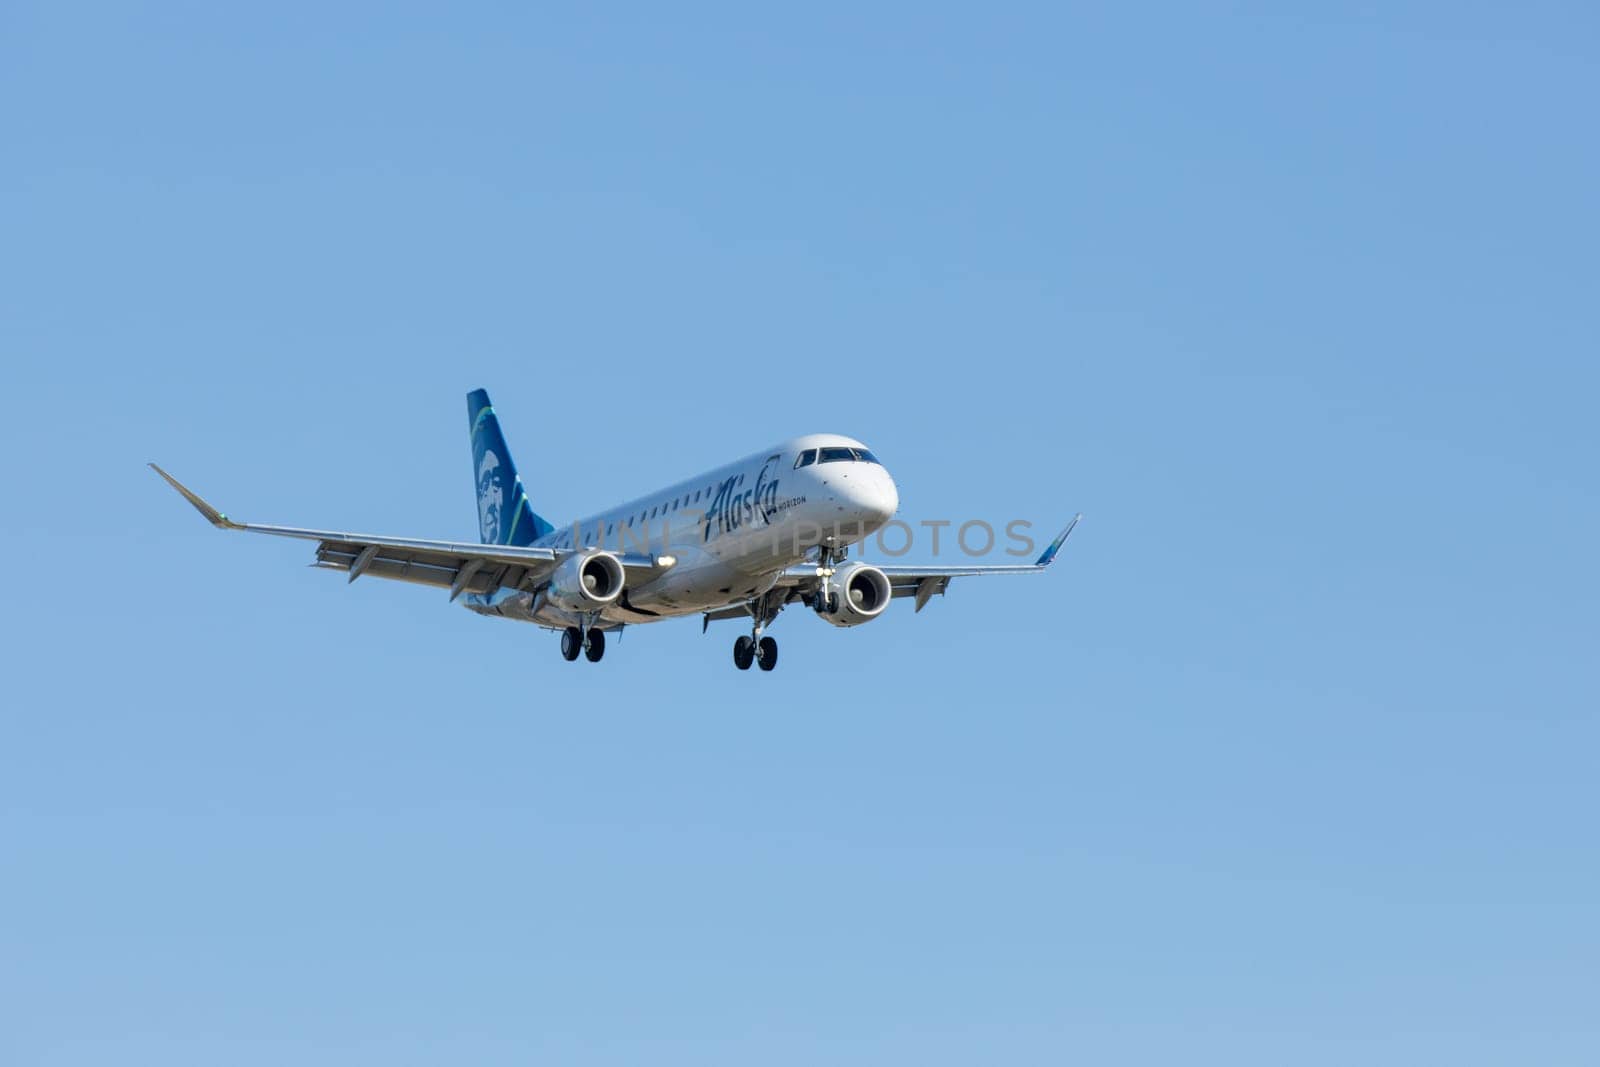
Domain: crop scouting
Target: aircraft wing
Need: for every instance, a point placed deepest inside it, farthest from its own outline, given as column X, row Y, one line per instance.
column 924, row 581
column 459, row 566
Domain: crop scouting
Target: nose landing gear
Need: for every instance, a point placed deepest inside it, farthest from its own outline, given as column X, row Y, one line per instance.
column 828, row 558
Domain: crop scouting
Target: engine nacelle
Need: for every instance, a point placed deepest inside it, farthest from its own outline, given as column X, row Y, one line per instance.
column 861, row 592
column 586, row 582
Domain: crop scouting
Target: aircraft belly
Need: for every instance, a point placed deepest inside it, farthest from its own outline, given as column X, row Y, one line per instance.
column 709, row 584
column 730, row 568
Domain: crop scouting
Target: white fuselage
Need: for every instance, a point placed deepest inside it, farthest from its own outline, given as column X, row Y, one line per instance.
column 732, row 531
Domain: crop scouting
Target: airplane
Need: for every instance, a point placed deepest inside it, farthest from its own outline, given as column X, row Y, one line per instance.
column 742, row 541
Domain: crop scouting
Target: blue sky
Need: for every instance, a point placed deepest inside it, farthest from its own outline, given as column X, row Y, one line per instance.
column 1291, row 758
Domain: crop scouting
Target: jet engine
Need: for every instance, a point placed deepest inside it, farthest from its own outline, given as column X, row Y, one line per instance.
column 586, row 582
column 858, row 593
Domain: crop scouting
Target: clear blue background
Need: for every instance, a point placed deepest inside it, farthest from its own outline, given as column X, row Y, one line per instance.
column 1291, row 759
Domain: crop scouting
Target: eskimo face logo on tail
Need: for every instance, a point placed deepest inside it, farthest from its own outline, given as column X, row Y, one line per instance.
column 730, row 510
column 491, row 497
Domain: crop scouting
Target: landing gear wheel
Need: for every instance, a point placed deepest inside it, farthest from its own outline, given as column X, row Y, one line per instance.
column 571, row 643
column 833, row 603
column 744, row 653
column 767, row 654
column 597, row 646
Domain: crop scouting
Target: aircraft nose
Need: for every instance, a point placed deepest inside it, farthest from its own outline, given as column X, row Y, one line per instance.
column 858, row 495
column 885, row 499
column 873, row 496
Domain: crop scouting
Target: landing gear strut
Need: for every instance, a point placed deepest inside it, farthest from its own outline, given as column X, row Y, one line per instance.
column 828, row 558
column 572, row 643
column 754, row 648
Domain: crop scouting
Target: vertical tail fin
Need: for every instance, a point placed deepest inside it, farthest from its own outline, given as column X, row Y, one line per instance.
column 504, row 515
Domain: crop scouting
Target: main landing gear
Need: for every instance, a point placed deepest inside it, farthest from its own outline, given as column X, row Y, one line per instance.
column 748, row 650
column 754, row 648
column 572, row 642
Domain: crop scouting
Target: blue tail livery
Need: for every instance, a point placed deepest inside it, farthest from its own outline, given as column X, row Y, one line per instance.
column 504, row 515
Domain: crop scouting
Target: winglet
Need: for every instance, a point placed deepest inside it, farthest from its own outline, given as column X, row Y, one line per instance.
column 213, row 516
column 1055, row 546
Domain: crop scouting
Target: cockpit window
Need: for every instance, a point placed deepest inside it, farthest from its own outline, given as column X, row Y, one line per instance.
column 805, row 459
column 835, row 455
column 865, row 457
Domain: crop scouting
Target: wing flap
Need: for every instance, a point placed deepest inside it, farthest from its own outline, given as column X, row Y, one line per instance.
column 415, row 567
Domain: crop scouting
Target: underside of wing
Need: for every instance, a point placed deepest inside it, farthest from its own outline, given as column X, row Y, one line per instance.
column 459, row 566
column 459, row 572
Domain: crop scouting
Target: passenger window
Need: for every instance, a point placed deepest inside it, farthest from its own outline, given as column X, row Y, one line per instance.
column 805, row 459
column 836, row 455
